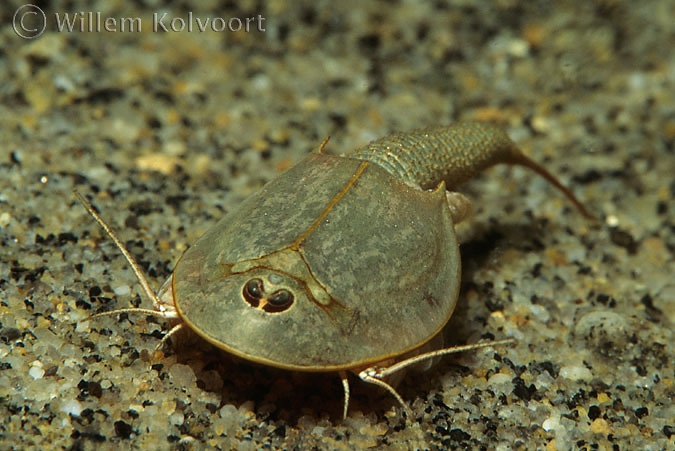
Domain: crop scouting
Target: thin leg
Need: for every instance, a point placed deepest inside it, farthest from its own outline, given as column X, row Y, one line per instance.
column 345, row 389
column 134, row 266
column 371, row 376
column 384, row 372
column 163, row 303
column 168, row 314
column 376, row 375
column 169, row 334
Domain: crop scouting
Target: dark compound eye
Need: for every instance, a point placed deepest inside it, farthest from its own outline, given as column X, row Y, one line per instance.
column 279, row 301
column 253, row 292
column 280, row 298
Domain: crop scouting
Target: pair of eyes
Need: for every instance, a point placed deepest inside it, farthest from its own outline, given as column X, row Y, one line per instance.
column 278, row 301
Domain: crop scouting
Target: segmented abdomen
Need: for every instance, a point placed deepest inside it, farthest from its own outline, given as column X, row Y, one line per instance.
column 453, row 154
